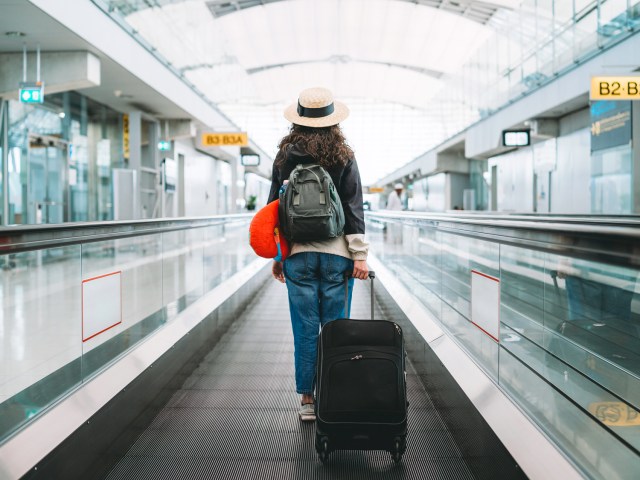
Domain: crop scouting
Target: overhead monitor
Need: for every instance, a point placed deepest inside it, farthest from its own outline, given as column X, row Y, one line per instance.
column 250, row 160
column 516, row 138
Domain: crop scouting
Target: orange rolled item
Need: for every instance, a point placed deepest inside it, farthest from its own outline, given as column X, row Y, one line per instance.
column 264, row 233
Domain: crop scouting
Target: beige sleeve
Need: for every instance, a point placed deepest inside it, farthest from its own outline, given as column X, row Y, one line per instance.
column 358, row 248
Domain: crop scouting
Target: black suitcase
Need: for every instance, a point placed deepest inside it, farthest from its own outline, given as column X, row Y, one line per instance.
column 361, row 390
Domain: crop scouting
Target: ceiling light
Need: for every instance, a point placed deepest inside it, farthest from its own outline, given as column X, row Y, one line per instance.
column 15, row 34
column 124, row 96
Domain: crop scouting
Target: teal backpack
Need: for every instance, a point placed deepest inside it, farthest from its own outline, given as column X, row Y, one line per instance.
column 310, row 207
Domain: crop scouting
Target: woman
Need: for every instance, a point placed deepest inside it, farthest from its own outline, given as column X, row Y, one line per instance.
column 314, row 271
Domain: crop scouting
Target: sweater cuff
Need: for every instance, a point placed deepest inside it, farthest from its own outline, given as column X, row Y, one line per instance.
column 358, row 248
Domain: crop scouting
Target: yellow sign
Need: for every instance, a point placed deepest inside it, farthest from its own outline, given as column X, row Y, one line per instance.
column 226, row 139
column 615, row 88
column 615, row 414
column 125, row 136
column 376, row 189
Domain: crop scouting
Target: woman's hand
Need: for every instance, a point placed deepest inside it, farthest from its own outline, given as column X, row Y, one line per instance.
column 276, row 271
column 360, row 269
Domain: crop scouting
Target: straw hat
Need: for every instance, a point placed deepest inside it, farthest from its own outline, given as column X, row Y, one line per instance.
column 316, row 108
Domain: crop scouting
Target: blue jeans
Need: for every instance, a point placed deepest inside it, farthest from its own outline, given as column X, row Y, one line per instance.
column 315, row 282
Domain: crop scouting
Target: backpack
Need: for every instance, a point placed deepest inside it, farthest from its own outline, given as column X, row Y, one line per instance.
column 310, row 207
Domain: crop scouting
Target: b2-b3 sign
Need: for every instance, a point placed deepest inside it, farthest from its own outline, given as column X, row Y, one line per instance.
column 226, row 139
column 615, row 88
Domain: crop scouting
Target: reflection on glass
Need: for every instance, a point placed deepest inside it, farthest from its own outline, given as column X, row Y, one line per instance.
column 39, row 331
column 602, row 300
column 601, row 452
column 569, row 349
column 48, row 298
column 139, row 263
column 182, row 266
column 598, row 331
column 522, row 291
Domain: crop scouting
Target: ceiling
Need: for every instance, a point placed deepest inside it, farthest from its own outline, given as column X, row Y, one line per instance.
column 39, row 28
column 479, row 11
column 396, row 63
column 387, row 59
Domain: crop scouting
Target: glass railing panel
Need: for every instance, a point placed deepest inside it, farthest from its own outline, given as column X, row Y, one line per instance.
column 427, row 283
column 598, row 330
column 214, row 268
column 122, row 297
column 613, row 411
column 461, row 256
column 68, row 312
column 522, row 291
column 569, row 327
column 413, row 255
column 182, row 267
column 614, row 20
column 236, row 251
column 385, row 240
column 586, row 32
column 39, row 331
column 602, row 454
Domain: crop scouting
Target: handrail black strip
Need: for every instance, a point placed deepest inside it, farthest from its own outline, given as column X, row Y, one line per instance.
column 605, row 239
column 35, row 237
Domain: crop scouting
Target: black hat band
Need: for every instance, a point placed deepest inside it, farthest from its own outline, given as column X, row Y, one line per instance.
column 315, row 112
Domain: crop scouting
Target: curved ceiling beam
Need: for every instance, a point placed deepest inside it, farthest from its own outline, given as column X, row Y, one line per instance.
column 334, row 59
column 344, row 59
column 479, row 11
column 476, row 10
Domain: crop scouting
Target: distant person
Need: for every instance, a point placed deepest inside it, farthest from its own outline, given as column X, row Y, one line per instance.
column 314, row 270
column 394, row 202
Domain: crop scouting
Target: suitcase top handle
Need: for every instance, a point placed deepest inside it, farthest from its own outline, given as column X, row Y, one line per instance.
column 372, row 275
column 347, row 276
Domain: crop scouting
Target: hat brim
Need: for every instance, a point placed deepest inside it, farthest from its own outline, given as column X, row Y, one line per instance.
column 340, row 112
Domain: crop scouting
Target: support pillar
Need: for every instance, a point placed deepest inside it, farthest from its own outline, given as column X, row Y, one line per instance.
column 635, row 152
column 4, row 132
column 135, row 157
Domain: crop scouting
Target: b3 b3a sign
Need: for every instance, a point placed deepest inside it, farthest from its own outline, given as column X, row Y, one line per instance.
column 225, row 139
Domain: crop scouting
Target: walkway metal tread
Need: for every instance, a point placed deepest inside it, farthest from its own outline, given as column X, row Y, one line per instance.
column 236, row 416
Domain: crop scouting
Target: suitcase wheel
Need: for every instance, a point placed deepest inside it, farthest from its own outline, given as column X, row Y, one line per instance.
column 398, row 449
column 322, row 447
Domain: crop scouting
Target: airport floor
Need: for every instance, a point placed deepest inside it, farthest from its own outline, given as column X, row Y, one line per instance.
column 236, row 415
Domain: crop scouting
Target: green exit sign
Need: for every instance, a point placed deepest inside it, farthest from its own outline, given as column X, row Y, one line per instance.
column 164, row 145
column 32, row 92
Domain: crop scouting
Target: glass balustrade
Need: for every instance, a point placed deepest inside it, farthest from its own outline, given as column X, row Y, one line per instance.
column 70, row 311
column 567, row 347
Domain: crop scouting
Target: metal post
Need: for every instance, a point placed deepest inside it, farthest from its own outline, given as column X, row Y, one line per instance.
column 38, row 63
column 4, row 130
column 24, row 62
column 135, row 149
column 598, row 24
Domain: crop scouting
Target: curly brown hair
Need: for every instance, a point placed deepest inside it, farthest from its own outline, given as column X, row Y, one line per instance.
column 326, row 145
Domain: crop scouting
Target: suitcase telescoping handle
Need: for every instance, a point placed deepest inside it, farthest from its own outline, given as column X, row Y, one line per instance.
column 347, row 276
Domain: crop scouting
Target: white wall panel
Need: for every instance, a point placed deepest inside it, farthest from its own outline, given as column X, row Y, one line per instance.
column 570, row 182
